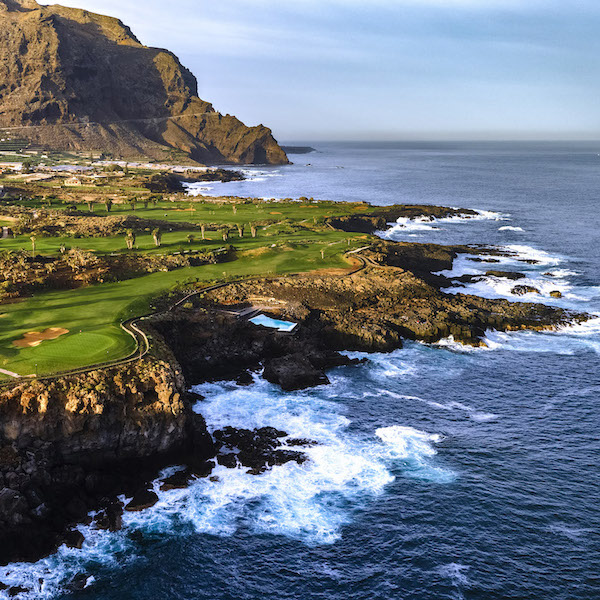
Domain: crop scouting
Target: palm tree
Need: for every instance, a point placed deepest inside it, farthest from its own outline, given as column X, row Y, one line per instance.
column 130, row 239
column 157, row 235
column 203, row 230
column 190, row 237
column 33, row 240
column 225, row 233
column 253, row 230
column 108, row 204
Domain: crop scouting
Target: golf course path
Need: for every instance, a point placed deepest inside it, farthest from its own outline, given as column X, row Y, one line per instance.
column 10, row 373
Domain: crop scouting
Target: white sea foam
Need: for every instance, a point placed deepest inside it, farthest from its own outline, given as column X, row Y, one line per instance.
column 456, row 572
column 309, row 502
column 403, row 225
column 47, row 578
column 567, row 340
column 470, row 411
column 511, row 228
column 561, row 273
column 523, row 253
column 531, row 262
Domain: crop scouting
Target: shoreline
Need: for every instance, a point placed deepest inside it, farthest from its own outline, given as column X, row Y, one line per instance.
column 239, row 349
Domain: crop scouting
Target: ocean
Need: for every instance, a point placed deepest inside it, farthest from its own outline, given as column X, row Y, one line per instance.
column 442, row 472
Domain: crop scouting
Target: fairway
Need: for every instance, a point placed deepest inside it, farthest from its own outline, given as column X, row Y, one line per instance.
column 93, row 314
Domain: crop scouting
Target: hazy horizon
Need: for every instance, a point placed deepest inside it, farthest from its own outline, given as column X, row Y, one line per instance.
column 396, row 70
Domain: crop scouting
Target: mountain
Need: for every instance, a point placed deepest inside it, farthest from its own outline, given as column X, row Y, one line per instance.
column 74, row 80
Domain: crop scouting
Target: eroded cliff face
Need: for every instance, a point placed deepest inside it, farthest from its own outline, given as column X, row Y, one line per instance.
column 67, row 444
column 75, row 80
column 102, row 415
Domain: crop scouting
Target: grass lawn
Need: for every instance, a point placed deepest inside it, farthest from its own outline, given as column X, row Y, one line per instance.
column 199, row 211
column 176, row 241
column 92, row 315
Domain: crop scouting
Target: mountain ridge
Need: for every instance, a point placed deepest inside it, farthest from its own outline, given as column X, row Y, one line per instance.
column 71, row 79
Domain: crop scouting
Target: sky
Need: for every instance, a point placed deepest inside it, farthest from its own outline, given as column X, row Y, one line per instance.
column 386, row 69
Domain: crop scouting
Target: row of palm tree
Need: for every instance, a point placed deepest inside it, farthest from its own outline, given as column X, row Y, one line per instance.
column 130, row 236
column 108, row 203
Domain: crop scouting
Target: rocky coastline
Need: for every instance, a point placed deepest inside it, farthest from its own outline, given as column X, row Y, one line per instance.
column 72, row 445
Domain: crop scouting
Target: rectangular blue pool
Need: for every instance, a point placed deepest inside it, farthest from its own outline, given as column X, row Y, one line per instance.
column 285, row 326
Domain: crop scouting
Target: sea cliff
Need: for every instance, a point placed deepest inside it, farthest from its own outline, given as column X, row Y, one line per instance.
column 69, row 444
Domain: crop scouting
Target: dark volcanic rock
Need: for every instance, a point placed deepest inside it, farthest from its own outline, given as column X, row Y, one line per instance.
column 306, row 443
column 257, row 449
column 379, row 217
column 177, row 481
column 499, row 274
column 69, row 445
column 75, row 80
column 506, row 275
column 294, row 372
column 74, row 539
column 213, row 346
column 142, row 500
column 78, row 582
column 373, row 309
column 521, row 290
column 111, row 518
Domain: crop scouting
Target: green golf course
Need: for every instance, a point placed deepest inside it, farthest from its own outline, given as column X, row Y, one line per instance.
column 92, row 315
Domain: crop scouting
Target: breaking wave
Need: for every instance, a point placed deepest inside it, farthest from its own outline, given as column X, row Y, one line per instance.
column 310, row 502
column 420, row 224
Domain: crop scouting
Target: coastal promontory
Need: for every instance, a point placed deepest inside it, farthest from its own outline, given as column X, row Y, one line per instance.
column 72, row 80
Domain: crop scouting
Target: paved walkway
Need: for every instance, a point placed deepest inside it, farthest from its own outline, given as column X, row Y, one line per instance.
column 10, row 374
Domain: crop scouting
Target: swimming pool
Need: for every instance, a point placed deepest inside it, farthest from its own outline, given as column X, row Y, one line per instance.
column 285, row 326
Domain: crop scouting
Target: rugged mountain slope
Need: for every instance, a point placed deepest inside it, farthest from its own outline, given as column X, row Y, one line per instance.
column 71, row 79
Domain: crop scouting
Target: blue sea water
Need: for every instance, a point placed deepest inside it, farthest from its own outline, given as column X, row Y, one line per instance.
column 442, row 472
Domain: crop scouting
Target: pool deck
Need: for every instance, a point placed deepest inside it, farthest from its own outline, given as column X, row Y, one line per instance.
column 251, row 312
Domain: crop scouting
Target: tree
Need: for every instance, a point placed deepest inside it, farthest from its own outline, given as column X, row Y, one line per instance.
column 234, row 209
column 225, row 234
column 91, row 205
column 146, row 201
column 157, row 235
column 240, row 229
column 203, row 230
column 33, row 240
column 253, row 230
column 130, row 239
column 108, row 204
column 27, row 166
column 190, row 237
column 79, row 260
column 62, row 248
column 132, row 204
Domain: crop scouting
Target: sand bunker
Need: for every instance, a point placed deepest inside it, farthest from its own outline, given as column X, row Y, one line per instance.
column 35, row 338
column 274, row 213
